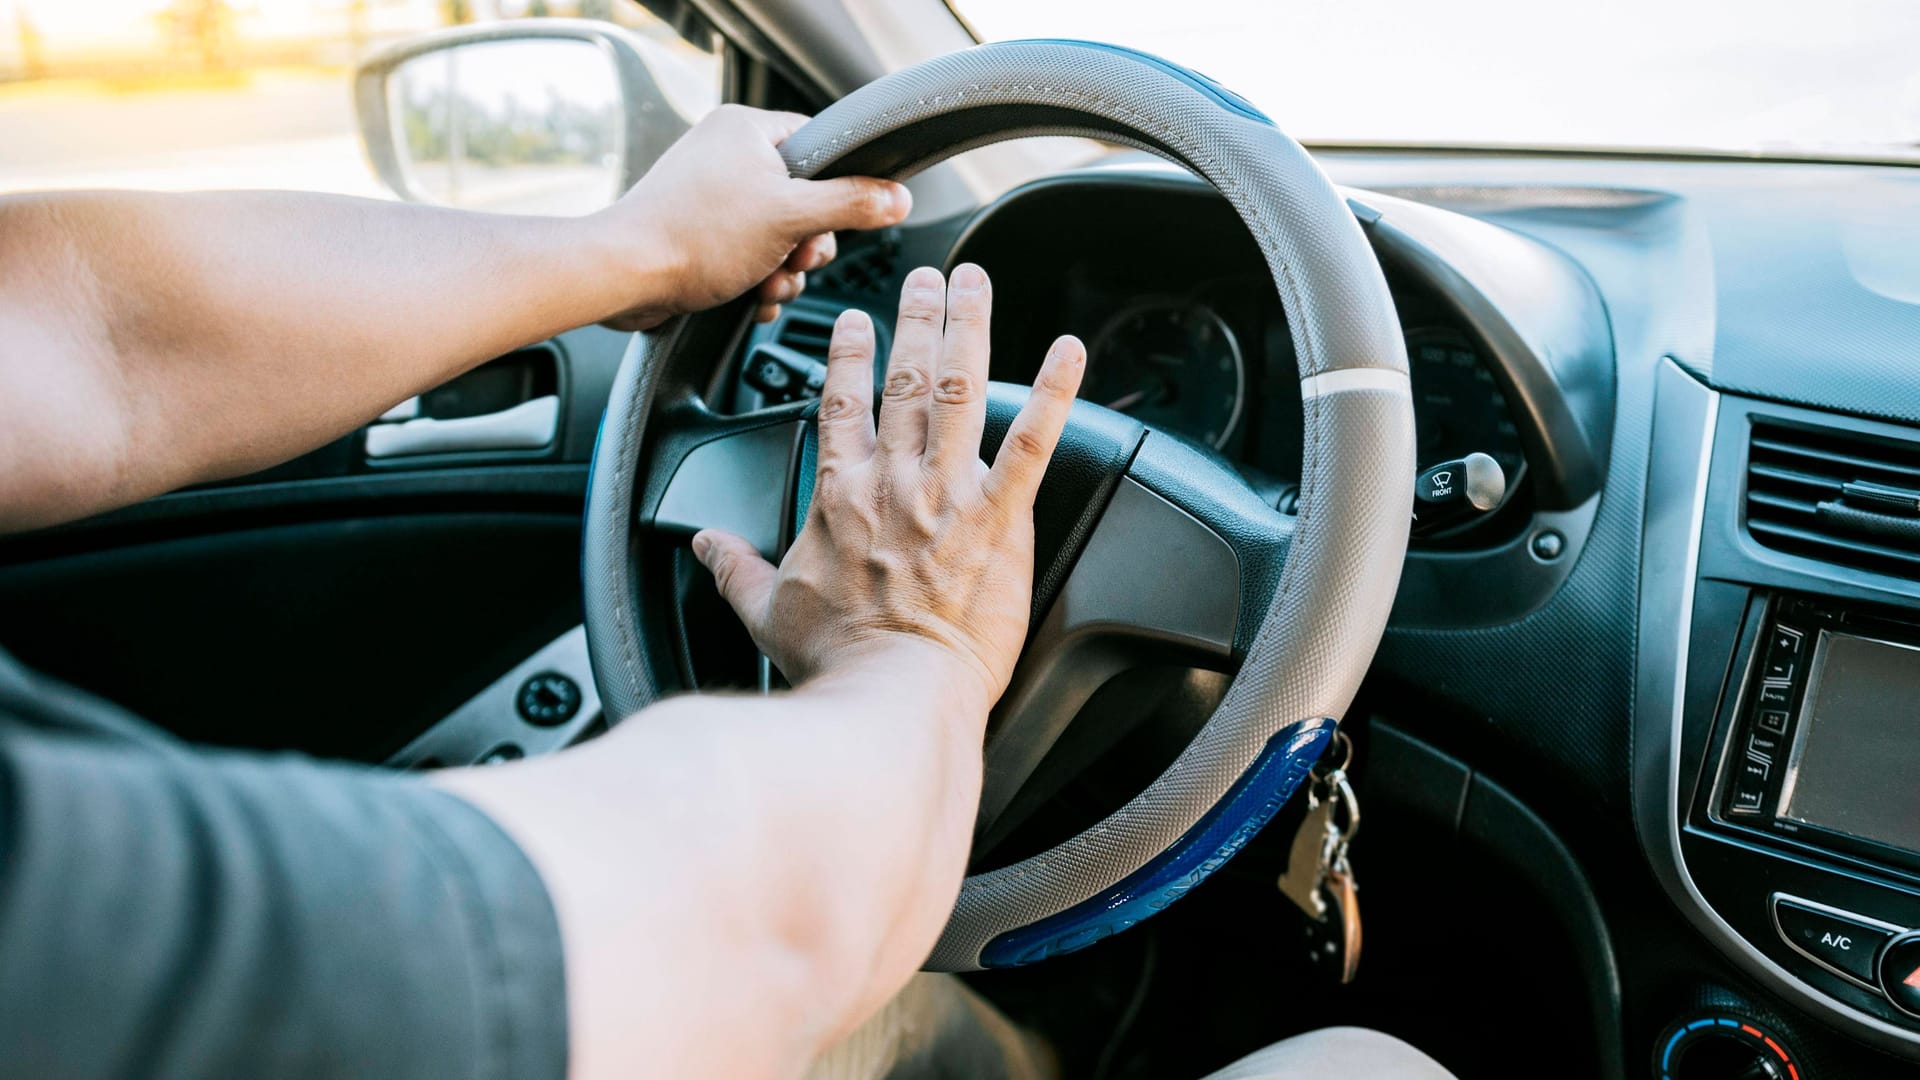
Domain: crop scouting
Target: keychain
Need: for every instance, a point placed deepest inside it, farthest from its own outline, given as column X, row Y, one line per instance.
column 1319, row 877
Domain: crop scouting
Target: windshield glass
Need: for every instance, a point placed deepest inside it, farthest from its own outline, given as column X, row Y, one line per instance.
column 1784, row 77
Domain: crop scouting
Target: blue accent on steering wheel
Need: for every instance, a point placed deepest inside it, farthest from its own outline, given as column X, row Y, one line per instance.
column 1247, row 807
column 1226, row 98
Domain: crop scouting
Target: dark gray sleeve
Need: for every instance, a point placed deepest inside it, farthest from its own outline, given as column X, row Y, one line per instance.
column 219, row 915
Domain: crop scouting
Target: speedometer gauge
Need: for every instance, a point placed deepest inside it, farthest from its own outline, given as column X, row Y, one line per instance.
column 1458, row 408
column 1171, row 364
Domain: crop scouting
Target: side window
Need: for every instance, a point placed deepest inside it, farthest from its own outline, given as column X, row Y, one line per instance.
column 237, row 94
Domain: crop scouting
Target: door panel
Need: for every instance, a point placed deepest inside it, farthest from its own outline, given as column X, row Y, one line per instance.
column 343, row 638
column 335, row 604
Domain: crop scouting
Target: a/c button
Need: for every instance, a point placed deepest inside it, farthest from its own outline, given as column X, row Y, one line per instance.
column 1844, row 944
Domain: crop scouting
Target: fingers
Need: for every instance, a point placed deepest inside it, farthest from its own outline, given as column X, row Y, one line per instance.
column 813, row 253
column 846, row 398
column 782, row 286
column 916, row 346
column 959, row 410
column 1023, row 457
column 744, row 579
column 846, row 202
column 788, row 282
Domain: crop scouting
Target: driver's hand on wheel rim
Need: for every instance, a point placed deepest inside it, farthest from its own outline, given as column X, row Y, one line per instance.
column 911, row 541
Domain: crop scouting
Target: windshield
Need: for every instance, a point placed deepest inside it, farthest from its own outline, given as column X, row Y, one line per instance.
column 1834, row 79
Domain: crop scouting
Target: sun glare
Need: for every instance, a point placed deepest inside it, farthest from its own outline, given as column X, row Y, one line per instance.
column 184, row 94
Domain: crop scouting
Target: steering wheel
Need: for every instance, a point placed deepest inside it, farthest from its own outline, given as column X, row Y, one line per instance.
column 1147, row 547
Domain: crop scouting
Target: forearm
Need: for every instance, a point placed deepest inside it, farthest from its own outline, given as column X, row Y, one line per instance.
column 155, row 340
column 789, row 860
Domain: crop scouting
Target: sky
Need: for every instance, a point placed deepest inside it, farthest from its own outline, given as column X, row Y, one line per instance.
column 1840, row 75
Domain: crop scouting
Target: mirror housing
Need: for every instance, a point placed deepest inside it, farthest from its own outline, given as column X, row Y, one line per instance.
column 556, row 116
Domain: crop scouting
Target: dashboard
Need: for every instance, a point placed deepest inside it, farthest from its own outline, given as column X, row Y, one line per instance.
column 1185, row 333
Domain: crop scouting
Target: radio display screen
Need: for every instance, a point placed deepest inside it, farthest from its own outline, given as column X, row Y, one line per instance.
column 1855, row 764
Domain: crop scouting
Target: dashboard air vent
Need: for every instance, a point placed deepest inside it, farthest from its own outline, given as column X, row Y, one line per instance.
column 805, row 329
column 1840, row 497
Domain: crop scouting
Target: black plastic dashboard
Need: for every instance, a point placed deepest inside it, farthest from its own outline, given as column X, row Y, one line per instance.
column 1184, row 330
column 1756, row 457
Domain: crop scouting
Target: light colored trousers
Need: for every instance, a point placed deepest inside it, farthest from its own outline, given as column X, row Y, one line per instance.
column 938, row 1029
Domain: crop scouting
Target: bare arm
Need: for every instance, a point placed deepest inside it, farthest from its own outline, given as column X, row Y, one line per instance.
column 149, row 341
column 741, row 881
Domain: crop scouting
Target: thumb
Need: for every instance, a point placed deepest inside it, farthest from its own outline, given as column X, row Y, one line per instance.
column 744, row 579
column 848, row 202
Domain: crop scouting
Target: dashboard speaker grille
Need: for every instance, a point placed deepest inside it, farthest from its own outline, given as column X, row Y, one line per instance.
column 1841, row 497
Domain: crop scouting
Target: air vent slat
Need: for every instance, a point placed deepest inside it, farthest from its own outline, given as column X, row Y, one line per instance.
column 1849, row 465
column 1836, row 548
column 1776, row 477
column 1785, row 505
column 1791, row 470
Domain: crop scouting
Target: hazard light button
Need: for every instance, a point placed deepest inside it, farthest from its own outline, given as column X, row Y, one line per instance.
column 1900, row 972
column 1838, row 940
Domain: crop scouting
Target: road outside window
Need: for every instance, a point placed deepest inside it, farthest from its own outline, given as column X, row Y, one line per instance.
column 181, row 95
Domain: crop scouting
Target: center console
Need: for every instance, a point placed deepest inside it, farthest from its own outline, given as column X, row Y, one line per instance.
column 1777, row 716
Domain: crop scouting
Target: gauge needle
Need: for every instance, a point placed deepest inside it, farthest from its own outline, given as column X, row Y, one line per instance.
column 1127, row 401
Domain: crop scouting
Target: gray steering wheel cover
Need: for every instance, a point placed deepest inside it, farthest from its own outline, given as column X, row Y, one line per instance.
column 1343, row 566
column 620, row 671
column 1321, row 263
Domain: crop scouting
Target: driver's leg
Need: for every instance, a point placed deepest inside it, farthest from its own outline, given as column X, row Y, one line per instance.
column 937, row 1028
column 1345, row 1053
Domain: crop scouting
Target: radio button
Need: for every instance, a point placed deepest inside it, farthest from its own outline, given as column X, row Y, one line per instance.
column 1783, row 652
column 1746, row 800
column 1786, row 642
column 1772, row 720
column 1837, row 940
column 1776, row 695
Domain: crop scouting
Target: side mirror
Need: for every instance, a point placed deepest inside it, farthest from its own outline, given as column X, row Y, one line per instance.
column 534, row 116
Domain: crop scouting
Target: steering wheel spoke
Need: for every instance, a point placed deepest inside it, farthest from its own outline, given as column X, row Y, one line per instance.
column 728, row 472
column 1153, row 585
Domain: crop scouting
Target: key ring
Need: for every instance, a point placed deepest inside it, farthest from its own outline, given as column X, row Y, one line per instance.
column 1324, row 783
column 1331, row 784
column 1342, row 748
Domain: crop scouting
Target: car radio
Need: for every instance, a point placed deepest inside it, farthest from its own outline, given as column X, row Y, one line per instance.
column 1824, row 748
